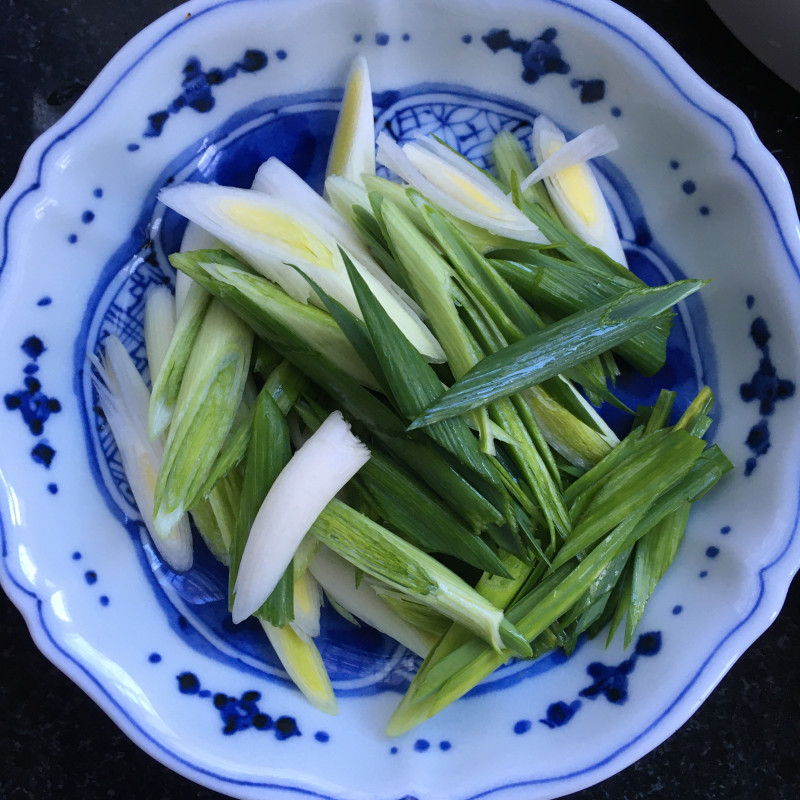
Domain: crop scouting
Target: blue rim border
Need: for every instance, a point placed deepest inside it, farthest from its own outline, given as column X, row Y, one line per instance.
column 98, row 691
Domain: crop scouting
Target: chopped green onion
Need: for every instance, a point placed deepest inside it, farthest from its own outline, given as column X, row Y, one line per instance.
column 555, row 349
column 210, row 393
column 125, row 400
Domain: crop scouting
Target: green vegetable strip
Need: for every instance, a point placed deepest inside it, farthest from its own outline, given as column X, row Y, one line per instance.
column 215, row 517
column 211, row 391
column 557, row 593
column 568, row 435
column 167, row 385
column 554, row 350
column 382, row 554
column 513, row 165
column 412, row 380
column 645, row 476
column 268, row 453
column 269, row 310
column 430, row 278
column 595, row 596
column 354, row 329
column 421, row 455
column 652, row 557
column 284, row 383
column 695, row 419
column 560, row 288
column 415, row 513
column 513, row 317
column 573, row 246
column 411, row 509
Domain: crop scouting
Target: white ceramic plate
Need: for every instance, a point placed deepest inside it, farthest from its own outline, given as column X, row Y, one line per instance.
column 209, row 91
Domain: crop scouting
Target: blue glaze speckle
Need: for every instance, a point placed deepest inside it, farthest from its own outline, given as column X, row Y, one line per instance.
column 242, row 713
column 725, row 530
column 87, row 217
column 43, row 454
column 689, row 187
column 444, row 745
column 705, row 210
column 560, row 713
column 98, row 192
column 322, row 736
column 522, row 726
column 104, row 601
column 677, row 610
column 591, row 91
column 421, row 745
column 750, row 301
column 52, row 488
column 703, row 573
column 154, row 658
column 466, row 38
column 76, row 556
column 616, row 111
column 33, row 347
column 540, row 56
column 382, row 39
column 90, row 577
column 393, row 750
column 674, row 164
column 196, row 88
column 712, row 552
column 766, row 388
column 133, row 147
column 44, row 301
column 72, row 238
column 406, row 37
column 357, row 38
column 280, row 55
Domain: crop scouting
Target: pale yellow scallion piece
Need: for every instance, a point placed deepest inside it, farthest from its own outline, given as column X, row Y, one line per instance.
column 352, row 152
column 571, row 184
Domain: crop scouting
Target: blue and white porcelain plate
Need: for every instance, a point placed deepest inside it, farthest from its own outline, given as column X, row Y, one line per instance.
column 210, row 91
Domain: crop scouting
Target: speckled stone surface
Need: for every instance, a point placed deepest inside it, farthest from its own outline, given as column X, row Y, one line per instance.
column 742, row 744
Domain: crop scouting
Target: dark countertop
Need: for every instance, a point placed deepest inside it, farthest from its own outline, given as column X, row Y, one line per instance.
column 55, row 743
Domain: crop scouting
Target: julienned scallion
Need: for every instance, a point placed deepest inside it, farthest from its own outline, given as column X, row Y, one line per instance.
column 389, row 397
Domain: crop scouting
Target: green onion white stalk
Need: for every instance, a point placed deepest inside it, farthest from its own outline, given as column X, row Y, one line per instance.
column 591, row 143
column 339, row 579
column 456, row 185
column 307, row 604
column 311, row 479
column 159, row 327
column 384, row 555
column 125, row 400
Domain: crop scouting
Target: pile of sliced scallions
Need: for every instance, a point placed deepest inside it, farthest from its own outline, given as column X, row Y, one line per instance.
column 387, row 397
